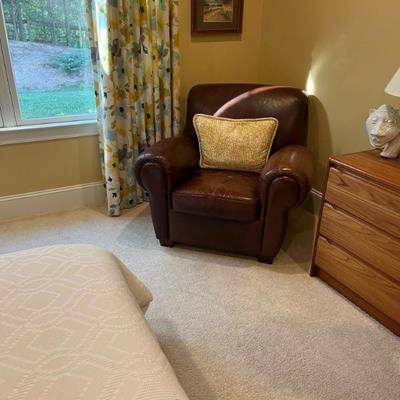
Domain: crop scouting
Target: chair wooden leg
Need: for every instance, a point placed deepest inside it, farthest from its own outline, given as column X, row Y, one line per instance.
column 167, row 243
column 266, row 260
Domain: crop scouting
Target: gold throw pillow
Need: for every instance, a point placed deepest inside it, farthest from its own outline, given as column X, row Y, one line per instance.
column 234, row 144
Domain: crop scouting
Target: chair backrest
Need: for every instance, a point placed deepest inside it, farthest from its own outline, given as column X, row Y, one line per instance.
column 288, row 105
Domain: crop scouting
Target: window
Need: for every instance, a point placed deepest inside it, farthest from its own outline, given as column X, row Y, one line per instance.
column 45, row 68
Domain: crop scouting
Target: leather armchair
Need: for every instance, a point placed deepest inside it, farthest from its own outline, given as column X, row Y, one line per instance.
column 232, row 211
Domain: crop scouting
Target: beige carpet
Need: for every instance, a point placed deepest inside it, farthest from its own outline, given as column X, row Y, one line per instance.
column 235, row 329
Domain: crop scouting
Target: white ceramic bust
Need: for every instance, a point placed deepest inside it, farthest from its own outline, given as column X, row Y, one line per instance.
column 383, row 127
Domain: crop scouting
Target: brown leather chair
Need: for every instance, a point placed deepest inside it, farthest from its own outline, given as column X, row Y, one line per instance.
column 239, row 212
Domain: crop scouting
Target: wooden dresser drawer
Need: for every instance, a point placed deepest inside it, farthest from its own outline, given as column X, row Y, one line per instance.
column 370, row 202
column 357, row 245
column 363, row 240
column 375, row 288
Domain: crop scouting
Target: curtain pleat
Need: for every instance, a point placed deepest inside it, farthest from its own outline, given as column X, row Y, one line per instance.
column 135, row 55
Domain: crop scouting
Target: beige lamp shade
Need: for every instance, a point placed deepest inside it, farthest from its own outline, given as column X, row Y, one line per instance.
column 393, row 86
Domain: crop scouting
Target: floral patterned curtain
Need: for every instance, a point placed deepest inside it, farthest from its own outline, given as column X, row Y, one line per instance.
column 134, row 45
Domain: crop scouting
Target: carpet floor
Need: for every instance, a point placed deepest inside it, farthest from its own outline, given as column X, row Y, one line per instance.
column 234, row 329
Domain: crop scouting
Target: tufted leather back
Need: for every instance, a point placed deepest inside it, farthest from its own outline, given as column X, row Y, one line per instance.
column 288, row 105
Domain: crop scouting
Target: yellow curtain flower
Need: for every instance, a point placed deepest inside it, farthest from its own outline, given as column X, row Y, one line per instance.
column 135, row 56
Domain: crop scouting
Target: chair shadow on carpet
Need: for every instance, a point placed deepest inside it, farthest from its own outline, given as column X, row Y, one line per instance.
column 298, row 244
column 139, row 231
column 187, row 372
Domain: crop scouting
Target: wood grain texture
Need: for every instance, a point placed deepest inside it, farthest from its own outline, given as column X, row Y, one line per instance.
column 360, row 217
column 371, row 285
column 366, row 242
column 376, row 205
column 371, row 165
column 358, row 300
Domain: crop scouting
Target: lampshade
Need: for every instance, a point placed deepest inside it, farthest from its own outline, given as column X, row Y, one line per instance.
column 393, row 86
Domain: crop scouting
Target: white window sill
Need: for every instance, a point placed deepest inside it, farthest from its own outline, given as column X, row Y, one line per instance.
column 46, row 132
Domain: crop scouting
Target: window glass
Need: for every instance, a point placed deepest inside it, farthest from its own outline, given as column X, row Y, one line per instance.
column 48, row 44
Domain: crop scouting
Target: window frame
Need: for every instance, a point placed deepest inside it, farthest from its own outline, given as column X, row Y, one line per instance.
column 11, row 121
column 1, row 119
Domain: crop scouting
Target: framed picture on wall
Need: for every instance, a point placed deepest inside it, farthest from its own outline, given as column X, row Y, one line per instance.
column 214, row 16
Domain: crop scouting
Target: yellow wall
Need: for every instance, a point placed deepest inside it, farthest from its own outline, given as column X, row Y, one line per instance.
column 221, row 58
column 35, row 166
column 344, row 53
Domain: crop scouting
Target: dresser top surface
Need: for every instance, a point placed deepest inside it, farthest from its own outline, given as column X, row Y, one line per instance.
column 371, row 165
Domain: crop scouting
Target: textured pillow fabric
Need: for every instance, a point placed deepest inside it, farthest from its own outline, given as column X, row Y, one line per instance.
column 234, row 144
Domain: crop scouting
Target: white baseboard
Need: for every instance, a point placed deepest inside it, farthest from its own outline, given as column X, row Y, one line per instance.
column 315, row 200
column 53, row 200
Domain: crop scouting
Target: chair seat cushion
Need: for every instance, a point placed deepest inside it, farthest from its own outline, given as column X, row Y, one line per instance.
column 219, row 194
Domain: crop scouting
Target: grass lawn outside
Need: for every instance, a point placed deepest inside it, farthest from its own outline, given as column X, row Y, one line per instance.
column 56, row 103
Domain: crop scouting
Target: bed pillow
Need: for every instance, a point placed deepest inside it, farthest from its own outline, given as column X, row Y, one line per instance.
column 234, row 144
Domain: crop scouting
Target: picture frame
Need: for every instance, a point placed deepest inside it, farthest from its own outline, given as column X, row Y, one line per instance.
column 217, row 16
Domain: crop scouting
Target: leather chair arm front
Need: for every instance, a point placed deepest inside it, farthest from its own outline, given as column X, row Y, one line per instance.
column 293, row 162
column 159, row 169
column 177, row 157
column 284, row 184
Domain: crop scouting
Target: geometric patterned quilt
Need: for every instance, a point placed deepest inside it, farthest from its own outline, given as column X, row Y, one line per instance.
column 72, row 327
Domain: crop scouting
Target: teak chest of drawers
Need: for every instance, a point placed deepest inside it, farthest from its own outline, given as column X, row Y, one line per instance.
column 357, row 244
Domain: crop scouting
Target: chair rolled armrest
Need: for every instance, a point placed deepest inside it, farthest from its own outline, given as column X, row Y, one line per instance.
column 284, row 184
column 294, row 162
column 178, row 157
column 159, row 169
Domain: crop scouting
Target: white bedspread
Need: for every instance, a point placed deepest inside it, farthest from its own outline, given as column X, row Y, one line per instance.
column 72, row 327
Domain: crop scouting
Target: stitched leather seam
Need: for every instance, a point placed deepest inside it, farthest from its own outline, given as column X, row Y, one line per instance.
column 216, row 198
